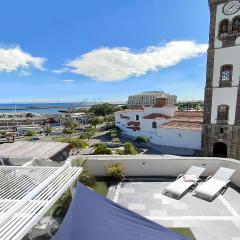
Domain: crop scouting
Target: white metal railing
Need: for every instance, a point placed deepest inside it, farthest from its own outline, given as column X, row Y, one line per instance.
column 26, row 194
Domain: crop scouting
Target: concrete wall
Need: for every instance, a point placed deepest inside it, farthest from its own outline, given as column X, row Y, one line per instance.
column 146, row 124
column 189, row 139
column 156, row 165
column 226, row 55
column 225, row 96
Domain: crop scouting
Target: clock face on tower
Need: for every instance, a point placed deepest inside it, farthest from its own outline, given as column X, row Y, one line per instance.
column 231, row 7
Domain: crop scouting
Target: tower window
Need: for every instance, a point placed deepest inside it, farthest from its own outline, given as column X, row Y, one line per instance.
column 137, row 117
column 226, row 73
column 223, row 27
column 236, row 25
column 154, row 125
column 223, row 112
column 221, row 130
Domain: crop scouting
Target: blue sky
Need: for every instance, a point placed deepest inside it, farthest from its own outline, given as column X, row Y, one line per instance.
column 68, row 50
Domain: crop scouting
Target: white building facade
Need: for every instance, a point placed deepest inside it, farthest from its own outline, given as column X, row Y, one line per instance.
column 149, row 99
column 221, row 132
column 163, row 124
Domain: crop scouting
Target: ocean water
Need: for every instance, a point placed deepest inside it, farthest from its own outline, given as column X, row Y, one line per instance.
column 50, row 108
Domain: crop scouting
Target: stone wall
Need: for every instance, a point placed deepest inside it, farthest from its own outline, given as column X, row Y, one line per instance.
column 211, row 132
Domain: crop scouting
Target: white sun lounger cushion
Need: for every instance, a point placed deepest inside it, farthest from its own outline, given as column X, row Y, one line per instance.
column 177, row 188
column 214, row 185
column 190, row 178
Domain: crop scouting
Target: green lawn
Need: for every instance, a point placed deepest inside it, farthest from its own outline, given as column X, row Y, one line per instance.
column 185, row 232
column 101, row 188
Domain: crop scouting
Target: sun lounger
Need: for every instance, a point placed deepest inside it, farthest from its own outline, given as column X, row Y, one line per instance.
column 215, row 185
column 184, row 183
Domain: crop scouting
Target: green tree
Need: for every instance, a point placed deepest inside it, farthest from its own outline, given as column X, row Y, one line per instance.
column 74, row 143
column 102, row 149
column 48, row 130
column 95, row 121
column 29, row 115
column 103, row 109
column 30, row 133
column 69, row 131
column 70, row 127
column 70, row 123
column 115, row 132
column 77, row 143
column 87, row 135
column 124, row 107
column 109, row 118
column 142, row 139
column 130, row 149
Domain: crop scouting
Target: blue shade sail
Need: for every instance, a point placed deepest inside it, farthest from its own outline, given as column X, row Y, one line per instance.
column 93, row 217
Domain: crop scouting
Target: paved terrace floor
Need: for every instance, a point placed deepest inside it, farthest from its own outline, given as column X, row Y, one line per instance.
column 218, row 220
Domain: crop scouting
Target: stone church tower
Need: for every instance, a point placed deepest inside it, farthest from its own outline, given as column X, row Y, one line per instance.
column 221, row 128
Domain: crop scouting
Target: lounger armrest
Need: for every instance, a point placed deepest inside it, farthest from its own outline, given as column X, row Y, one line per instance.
column 208, row 177
column 198, row 181
column 179, row 176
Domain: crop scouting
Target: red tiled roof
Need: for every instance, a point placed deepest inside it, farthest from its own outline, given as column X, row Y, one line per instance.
column 131, row 110
column 186, row 120
column 133, row 123
column 185, row 125
column 188, row 114
column 124, row 117
column 156, row 116
column 195, row 116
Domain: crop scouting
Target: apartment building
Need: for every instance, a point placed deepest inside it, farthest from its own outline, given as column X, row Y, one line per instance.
column 149, row 99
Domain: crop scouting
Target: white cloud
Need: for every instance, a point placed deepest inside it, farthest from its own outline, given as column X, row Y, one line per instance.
column 14, row 58
column 59, row 71
column 68, row 80
column 114, row 64
column 24, row 73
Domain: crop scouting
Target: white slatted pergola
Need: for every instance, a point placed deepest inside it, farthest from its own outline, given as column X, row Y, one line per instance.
column 27, row 193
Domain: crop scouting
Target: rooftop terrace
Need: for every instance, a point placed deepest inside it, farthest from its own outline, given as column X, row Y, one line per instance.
column 150, row 174
column 23, row 151
column 217, row 220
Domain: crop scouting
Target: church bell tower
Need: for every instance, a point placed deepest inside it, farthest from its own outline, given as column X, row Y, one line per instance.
column 221, row 126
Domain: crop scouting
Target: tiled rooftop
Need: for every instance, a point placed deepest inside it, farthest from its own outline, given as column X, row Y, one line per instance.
column 188, row 114
column 186, row 120
column 186, row 125
column 134, row 123
column 218, row 220
column 156, row 116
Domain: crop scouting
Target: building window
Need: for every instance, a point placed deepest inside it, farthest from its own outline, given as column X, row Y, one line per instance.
column 223, row 112
column 226, row 73
column 236, row 25
column 223, row 27
column 137, row 117
column 221, row 131
column 154, row 125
